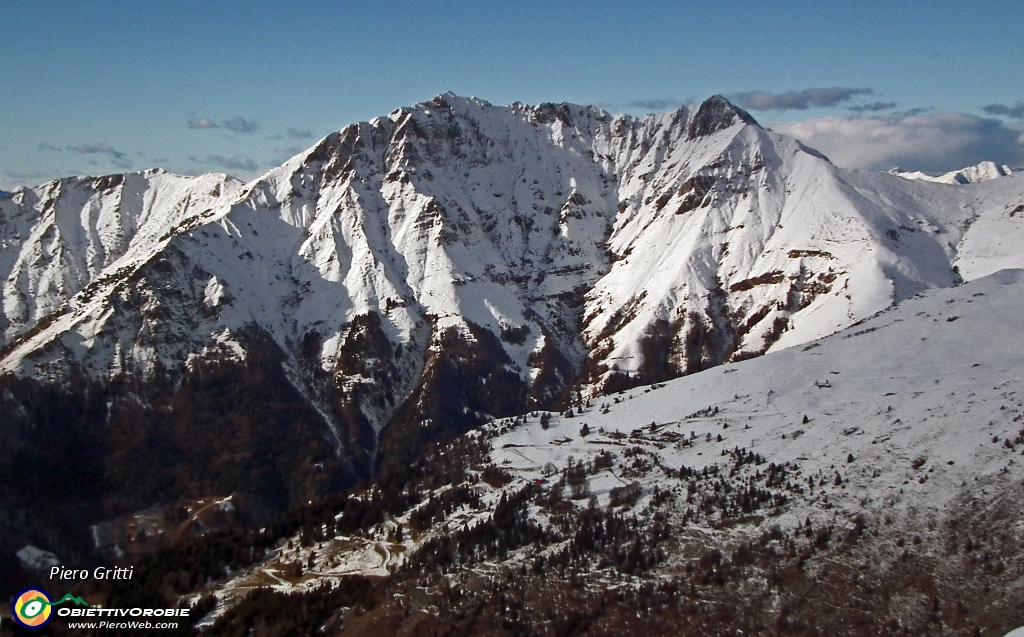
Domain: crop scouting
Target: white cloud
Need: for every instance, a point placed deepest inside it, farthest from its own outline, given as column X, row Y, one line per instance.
column 933, row 142
column 238, row 124
column 797, row 100
column 92, row 149
column 1016, row 112
column 117, row 157
column 30, row 176
column 200, row 123
column 238, row 162
column 241, row 125
column 874, row 107
column 655, row 104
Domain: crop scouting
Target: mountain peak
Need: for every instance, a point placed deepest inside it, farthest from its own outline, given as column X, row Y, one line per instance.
column 715, row 114
column 448, row 99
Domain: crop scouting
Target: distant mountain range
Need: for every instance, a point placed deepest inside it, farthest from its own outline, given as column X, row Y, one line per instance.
column 984, row 171
column 408, row 279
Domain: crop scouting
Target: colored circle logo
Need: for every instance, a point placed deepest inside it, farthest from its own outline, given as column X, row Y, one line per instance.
column 32, row 608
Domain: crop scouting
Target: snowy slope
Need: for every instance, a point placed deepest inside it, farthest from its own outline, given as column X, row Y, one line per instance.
column 891, row 450
column 993, row 239
column 925, row 396
column 918, row 410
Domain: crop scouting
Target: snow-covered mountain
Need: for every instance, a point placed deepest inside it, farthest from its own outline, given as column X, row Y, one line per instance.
column 411, row 277
column 985, row 171
column 60, row 237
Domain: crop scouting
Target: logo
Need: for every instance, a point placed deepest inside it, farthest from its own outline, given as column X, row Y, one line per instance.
column 32, row 608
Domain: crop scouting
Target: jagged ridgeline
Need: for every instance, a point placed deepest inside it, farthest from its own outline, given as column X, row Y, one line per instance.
column 411, row 277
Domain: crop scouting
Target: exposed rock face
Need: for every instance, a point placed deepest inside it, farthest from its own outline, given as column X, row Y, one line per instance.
column 714, row 115
column 413, row 276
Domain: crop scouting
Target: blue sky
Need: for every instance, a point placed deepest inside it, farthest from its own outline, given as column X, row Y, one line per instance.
column 97, row 87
